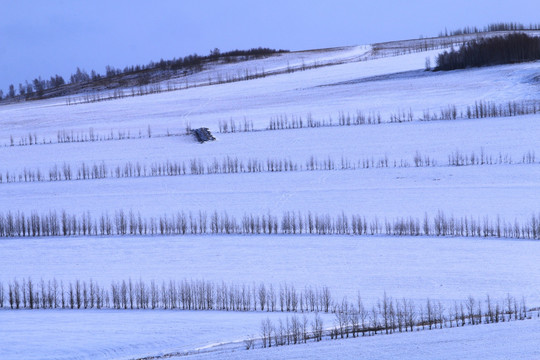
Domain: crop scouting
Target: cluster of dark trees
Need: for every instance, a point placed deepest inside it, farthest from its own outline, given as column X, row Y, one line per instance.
column 196, row 61
column 131, row 75
column 33, row 89
column 290, row 223
column 491, row 27
column 243, row 55
column 512, row 48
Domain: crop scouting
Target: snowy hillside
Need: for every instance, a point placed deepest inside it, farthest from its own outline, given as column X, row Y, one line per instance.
column 360, row 132
column 386, row 85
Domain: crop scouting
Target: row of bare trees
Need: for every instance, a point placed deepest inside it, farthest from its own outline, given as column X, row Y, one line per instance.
column 282, row 122
column 480, row 109
column 91, row 135
column 141, row 90
column 123, row 223
column 234, row 165
column 388, row 316
column 483, row 109
column 459, row 158
column 233, row 126
column 181, row 295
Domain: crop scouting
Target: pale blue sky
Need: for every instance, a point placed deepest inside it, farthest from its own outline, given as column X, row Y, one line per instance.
column 47, row 37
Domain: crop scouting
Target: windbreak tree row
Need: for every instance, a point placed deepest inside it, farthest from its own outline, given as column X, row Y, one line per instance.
column 230, row 165
column 390, row 316
column 478, row 110
column 171, row 294
column 290, row 223
column 91, row 135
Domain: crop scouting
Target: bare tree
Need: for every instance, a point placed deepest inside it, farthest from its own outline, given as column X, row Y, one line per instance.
column 317, row 327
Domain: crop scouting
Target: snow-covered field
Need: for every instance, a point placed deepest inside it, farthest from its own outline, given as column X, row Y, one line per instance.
column 48, row 335
column 490, row 190
column 355, row 78
column 109, row 334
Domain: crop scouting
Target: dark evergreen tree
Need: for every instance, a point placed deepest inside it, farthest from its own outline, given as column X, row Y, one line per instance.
column 11, row 91
column 512, row 48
